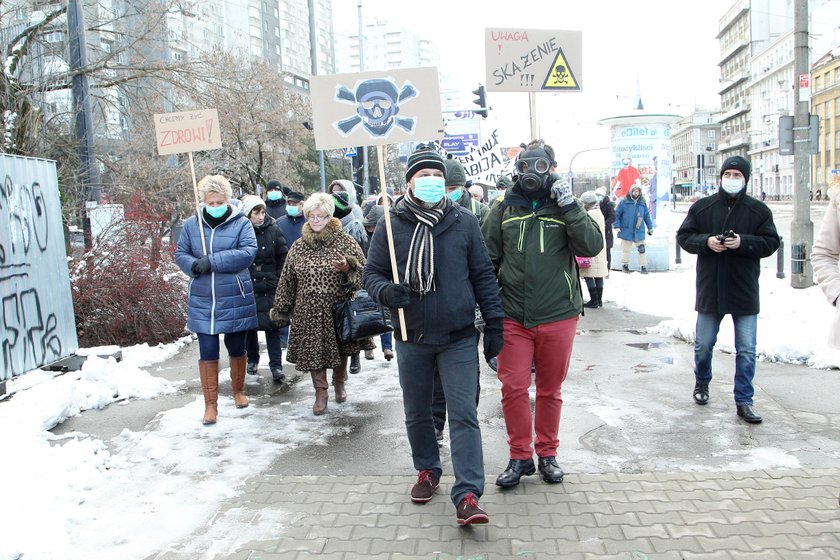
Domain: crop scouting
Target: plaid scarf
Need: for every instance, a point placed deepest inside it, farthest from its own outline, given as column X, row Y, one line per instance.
column 420, row 265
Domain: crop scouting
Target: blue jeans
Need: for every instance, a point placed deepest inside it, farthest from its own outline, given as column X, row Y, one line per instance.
column 457, row 363
column 706, row 331
column 272, row 343
column 387, row 340
column 208, row 345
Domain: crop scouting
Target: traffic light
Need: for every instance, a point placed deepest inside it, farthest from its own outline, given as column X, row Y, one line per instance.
column 481, row 101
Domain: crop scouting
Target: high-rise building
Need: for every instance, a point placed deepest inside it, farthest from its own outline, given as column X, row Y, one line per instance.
column 385, row 46
column 757, row 83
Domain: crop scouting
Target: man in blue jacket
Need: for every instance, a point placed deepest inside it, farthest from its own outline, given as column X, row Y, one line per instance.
column 730, row 232
column 444, row 270
column 291, row 224
column 631, row 218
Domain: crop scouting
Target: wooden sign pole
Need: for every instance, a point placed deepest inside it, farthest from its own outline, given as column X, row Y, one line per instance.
column 197, row 206
column 380, row 156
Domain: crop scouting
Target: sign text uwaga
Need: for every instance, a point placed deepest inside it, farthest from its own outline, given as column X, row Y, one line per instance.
column 522, row 62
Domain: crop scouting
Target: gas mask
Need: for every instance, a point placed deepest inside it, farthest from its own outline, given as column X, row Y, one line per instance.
column 533, row 168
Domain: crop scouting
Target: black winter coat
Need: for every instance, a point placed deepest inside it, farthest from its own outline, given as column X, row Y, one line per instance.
column 266, row 268
column 727, row 282
column 608, row 210
column 275, row 208
column 464, row 276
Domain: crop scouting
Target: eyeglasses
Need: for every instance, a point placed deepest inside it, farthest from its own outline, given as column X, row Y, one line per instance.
column 540, row 165
column 317, row 218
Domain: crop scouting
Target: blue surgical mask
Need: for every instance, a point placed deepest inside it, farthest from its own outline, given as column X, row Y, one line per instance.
column 217, row 211
column 429, row 189
column 455, row 195
column 292, row 211
column 274, row 195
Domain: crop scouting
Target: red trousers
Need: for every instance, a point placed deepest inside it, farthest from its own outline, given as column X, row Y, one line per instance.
column 549, row 346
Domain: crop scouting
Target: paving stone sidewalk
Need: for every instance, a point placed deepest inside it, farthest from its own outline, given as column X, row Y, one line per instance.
column 766, row 515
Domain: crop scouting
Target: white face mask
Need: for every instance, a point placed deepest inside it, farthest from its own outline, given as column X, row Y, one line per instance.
column 732, row 186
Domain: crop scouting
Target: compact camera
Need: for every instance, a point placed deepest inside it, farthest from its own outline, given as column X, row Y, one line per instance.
column 725, row 235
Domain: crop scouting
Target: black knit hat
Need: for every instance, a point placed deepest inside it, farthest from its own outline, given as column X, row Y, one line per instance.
column 455, row 174
column 274, row 184
column 739, row 163
column 423, row 157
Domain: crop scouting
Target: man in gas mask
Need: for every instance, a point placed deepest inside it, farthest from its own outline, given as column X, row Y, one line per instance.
column 533, row 234
column 730, row 232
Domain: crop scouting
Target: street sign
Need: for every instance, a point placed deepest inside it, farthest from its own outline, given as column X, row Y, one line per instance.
column 350, row 153
column 533, row 60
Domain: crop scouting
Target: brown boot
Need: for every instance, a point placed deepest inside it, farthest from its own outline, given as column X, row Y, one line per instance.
column 339, row 377
column 237, row 380
column 322, row 391
column 208, row 371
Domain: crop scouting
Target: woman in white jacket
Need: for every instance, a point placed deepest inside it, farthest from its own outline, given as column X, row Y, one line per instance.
column 824, row 258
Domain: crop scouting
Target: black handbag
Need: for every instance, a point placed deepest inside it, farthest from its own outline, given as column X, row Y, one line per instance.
column 360, row 318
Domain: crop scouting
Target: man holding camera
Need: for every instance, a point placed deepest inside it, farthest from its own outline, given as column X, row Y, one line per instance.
column 730, row 232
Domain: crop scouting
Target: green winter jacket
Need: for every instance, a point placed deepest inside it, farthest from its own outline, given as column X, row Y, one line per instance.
column 533, row 252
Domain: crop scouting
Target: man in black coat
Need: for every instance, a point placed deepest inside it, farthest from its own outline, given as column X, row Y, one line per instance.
column 730, row 232
column 275, row 199
column 444, row 271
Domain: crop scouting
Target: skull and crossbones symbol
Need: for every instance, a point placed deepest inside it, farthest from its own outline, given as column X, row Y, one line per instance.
column 377, row 104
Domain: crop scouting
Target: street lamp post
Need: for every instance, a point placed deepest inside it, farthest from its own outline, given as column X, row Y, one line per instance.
column 571, row 177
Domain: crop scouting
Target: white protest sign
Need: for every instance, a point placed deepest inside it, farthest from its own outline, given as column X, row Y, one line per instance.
column 376, row 108
column 187, row 131
column 533, row 60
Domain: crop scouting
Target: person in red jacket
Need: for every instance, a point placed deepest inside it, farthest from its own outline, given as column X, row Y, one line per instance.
column 626, row 178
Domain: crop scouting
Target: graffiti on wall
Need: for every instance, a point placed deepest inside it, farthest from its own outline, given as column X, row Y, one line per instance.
column 37, row 326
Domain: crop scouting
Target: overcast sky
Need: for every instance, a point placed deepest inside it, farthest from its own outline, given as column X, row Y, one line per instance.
column 669, row 46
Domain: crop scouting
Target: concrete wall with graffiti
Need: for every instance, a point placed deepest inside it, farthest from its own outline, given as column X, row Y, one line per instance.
column 37, row 325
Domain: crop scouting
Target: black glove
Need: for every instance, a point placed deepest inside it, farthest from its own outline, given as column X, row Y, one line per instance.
column 494, row 338
column 201, row 266
column 395, row 296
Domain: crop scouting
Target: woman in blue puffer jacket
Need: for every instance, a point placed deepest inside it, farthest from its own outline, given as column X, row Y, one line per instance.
column 220, row 294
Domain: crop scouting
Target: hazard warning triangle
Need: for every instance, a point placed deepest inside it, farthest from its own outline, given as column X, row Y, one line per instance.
column 560, row 75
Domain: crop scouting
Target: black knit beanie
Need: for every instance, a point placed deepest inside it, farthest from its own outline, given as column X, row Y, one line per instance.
column 739, row 163
column 422, row 158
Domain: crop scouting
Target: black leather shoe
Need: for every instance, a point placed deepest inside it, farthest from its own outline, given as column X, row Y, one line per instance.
column 516, row 469
column 701, row 393
column 550, row 471
column 746, row 412
column 355, row 364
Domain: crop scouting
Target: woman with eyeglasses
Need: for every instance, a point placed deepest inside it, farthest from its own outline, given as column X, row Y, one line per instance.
column 322, row 268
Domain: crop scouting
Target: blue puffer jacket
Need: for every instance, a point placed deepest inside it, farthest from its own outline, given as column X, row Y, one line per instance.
column 221, row 301
column 632, row 216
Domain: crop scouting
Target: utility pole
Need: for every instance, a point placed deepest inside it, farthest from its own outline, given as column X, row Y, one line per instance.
column 88, row 174
column 801, row 228
column 362, row 69
column 313, row 56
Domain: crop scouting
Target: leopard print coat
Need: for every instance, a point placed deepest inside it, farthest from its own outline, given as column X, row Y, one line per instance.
column 307, row 291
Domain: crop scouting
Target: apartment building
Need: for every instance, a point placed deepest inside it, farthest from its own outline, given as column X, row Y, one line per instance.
column 825, row 103
column 694, row 145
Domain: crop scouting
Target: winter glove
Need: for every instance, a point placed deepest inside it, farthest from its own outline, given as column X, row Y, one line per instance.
column 494, row 340
column 395, row 296
column 650, row 232
column 279, row 318
column 561, row 191
column 201, row 265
